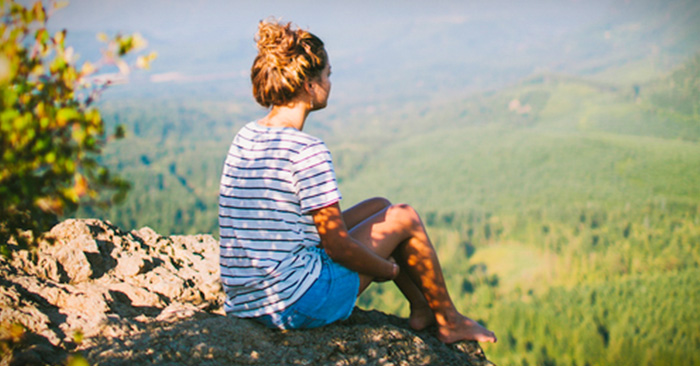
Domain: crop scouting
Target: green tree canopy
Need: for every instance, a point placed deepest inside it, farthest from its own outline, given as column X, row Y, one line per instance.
column 50, row 132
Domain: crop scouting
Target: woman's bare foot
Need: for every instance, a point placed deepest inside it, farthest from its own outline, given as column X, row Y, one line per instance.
column 421, row 317
column 464, row 329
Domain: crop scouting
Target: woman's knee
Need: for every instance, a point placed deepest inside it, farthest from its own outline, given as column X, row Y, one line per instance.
column 405, row 214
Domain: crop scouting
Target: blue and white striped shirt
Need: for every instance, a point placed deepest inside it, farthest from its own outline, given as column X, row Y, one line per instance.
column 272, row 179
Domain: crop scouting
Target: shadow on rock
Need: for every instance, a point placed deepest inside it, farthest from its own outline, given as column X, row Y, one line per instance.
column 366, row 338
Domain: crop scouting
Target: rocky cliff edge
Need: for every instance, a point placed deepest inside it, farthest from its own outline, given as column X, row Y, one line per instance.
column 131, row 298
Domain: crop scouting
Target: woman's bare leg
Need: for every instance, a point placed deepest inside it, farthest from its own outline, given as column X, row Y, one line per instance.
column 363, row 210
column 421, row 314
column 398, row 231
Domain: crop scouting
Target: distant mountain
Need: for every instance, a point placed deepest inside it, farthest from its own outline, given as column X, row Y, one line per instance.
column 420, row 51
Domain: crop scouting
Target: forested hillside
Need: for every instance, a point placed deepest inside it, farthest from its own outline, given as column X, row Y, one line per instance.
column 172, row 155
column 577, row 205
column 566, row 209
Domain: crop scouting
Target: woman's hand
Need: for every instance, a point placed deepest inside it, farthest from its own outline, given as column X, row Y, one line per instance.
column 344, row 249
column 394, row 272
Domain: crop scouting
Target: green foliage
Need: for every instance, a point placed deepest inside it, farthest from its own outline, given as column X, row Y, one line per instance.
column 649, row 319
column 10, row 337
column 51, row 135
column 677, row 98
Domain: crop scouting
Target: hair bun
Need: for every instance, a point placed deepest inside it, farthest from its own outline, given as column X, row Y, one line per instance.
column 280, row 40
column 286, row 57
column 272, row 35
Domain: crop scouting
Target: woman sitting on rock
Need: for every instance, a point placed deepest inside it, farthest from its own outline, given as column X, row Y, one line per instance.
column 290, row 258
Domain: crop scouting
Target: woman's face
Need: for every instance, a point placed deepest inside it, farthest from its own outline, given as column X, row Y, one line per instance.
column 321, row 88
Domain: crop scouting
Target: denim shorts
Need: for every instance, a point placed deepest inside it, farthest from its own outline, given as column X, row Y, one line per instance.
column 331, row 298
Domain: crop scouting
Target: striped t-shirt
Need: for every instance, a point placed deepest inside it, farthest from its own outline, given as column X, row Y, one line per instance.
column 272, row 179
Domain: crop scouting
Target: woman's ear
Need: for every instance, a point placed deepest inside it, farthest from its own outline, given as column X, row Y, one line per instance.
column 310, row 89
column 308, row 86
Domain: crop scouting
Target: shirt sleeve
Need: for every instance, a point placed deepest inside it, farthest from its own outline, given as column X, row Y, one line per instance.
column 314, row 178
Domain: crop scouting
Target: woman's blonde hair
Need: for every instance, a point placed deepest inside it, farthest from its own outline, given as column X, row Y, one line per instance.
column 287, row 57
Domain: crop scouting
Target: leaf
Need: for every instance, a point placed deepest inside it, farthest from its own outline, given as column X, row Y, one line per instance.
column 16, row 332
column 78, row 336
column 59, row 38
column 50, row 205
column 38, row 70
column 87, row 69
column 138, row 42
column 66, row 115
column 81, row 185
column 5, row 70
column 39, row 13
column 42, row 36
column 77, row 360
column 79, row 134
column 144, row 62
column 60, row 5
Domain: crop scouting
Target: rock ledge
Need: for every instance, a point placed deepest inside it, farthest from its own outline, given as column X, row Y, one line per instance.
column 126, row 298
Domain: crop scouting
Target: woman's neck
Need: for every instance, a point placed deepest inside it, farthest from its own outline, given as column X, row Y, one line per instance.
column 293, row 115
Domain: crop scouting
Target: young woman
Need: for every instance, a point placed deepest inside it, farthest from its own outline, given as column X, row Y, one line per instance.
column 290, row 257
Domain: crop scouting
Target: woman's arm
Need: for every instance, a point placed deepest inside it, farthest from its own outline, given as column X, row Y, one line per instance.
column 342, row 248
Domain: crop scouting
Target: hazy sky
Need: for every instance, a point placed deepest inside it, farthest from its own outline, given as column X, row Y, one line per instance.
column 210, row 41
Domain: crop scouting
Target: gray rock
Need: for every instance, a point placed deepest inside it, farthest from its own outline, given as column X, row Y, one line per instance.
column 125, row 298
